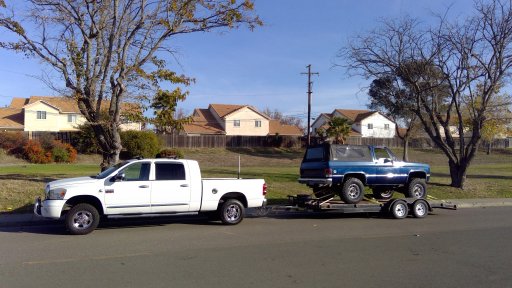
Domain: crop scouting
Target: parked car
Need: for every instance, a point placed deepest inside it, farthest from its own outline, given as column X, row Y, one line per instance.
column 344, row 170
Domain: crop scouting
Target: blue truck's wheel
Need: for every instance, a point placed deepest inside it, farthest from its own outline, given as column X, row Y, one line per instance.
column 352, row 191
column 382, row 193
column 417, row 188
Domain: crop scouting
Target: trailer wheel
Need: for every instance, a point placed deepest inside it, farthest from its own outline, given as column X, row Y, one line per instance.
column 420, row 208
column 82, row 219
column 352, row 191
column 399, row 209
column 382, row 193
column 232, row 212
column 417, row 188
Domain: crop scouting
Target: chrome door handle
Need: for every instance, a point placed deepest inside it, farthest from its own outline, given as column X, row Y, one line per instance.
column 144, row 186
column 184, row 185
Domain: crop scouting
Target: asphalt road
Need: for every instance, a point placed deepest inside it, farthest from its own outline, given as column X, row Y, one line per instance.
column 463, row 248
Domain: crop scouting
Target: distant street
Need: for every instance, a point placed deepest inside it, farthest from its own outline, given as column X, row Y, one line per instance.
column 463, row 248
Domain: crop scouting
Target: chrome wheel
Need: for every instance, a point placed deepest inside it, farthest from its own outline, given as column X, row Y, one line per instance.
column 82, row 219
column 353, row 191
column 420, row 208
column 418, row 191
column 233, row 212
column 400, row 210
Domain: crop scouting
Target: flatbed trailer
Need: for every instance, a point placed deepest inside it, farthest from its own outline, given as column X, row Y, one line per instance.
column 398, row 208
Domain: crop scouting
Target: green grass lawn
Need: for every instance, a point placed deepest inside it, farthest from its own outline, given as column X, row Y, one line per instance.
column 490, row 176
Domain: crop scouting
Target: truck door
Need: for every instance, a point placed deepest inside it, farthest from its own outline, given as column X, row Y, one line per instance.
column 171, row 188
column 129, row 191
column 386, row 170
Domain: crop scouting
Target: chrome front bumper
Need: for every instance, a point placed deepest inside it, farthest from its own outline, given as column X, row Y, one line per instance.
column 37, row 207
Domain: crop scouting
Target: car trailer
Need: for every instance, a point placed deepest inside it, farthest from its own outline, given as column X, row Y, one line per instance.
column 398, row 208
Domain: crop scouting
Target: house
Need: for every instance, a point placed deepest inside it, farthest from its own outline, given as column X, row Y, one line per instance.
column 49, row 114
column 365, row 123
column 242, row 120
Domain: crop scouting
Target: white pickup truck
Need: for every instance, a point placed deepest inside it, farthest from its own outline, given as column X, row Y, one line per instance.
column 144, row 186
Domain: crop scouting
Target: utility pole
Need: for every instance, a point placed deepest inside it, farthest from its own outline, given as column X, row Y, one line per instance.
column 310, row 84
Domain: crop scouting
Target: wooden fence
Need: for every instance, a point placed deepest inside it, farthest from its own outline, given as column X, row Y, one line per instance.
column 223, row 141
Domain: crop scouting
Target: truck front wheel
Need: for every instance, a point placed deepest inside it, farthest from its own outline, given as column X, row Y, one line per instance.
column 417, row 188
column 82, row 219
column 231, row 212
column 352, row 191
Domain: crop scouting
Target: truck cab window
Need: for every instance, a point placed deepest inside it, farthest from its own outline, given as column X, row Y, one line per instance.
column 137, row 172
column 169, row 171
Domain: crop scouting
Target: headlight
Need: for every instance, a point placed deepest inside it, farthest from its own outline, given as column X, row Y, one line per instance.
column 56, row 194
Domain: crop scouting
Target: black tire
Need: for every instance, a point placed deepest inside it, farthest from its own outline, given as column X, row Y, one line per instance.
column 399, row 209
column 231, row 212
column 82, row 219
column 417, row 188
column 352, row 191
column 420, row 208
column 382, row 193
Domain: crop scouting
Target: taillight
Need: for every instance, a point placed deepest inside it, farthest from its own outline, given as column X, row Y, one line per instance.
column 264, row 189
column 328, row 172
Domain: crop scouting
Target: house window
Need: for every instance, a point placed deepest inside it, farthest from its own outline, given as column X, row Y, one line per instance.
column 257, row 123
column 370, row 126
column 236, row 123
column 72, row 118
column 41, row 114
column 386, row 126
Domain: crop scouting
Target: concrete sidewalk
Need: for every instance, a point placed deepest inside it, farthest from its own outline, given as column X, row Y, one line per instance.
column 29, row 219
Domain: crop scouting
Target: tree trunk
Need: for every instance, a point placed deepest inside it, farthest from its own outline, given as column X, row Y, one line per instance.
column 489, row 146
column 458, row 173
column 406, row 149
column 110, row 143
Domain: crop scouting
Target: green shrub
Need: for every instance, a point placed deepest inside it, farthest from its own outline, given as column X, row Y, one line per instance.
column 170, row 153
column 140, row 143
column 85, row 140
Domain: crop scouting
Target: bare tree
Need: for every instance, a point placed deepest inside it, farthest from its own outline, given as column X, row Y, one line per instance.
column 448, row 68
column 283, row 119
column 101, row 49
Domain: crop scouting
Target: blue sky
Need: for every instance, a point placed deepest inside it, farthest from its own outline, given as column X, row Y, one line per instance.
column 263, row 67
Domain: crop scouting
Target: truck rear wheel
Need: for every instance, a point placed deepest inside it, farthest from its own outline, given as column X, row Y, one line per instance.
column 417, row 188
column 352, row 191
column 232, row 212
column 82, row 219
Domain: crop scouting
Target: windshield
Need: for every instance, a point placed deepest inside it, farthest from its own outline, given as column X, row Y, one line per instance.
column 109, row 171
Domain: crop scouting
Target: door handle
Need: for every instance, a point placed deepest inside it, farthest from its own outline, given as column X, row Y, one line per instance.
column 144, row 186
column 184, row 185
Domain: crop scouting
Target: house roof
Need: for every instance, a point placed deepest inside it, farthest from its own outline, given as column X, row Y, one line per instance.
column 66, row 105
column 275, row 127
column 224, row 110
column 11, row 118
column 354, row 115
column 203, row 122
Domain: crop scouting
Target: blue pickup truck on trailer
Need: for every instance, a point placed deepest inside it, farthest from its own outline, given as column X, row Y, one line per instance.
column 344, row 170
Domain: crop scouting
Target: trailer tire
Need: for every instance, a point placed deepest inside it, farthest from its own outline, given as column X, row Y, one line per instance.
column 416, row 188
column 399, row 209
column 352, row 191
column 382, row 193
column 420, row 208
column 232, row 212
column 82, row 219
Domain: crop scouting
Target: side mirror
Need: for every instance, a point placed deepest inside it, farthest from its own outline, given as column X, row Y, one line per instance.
column 388, row 160
column 119, row 177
